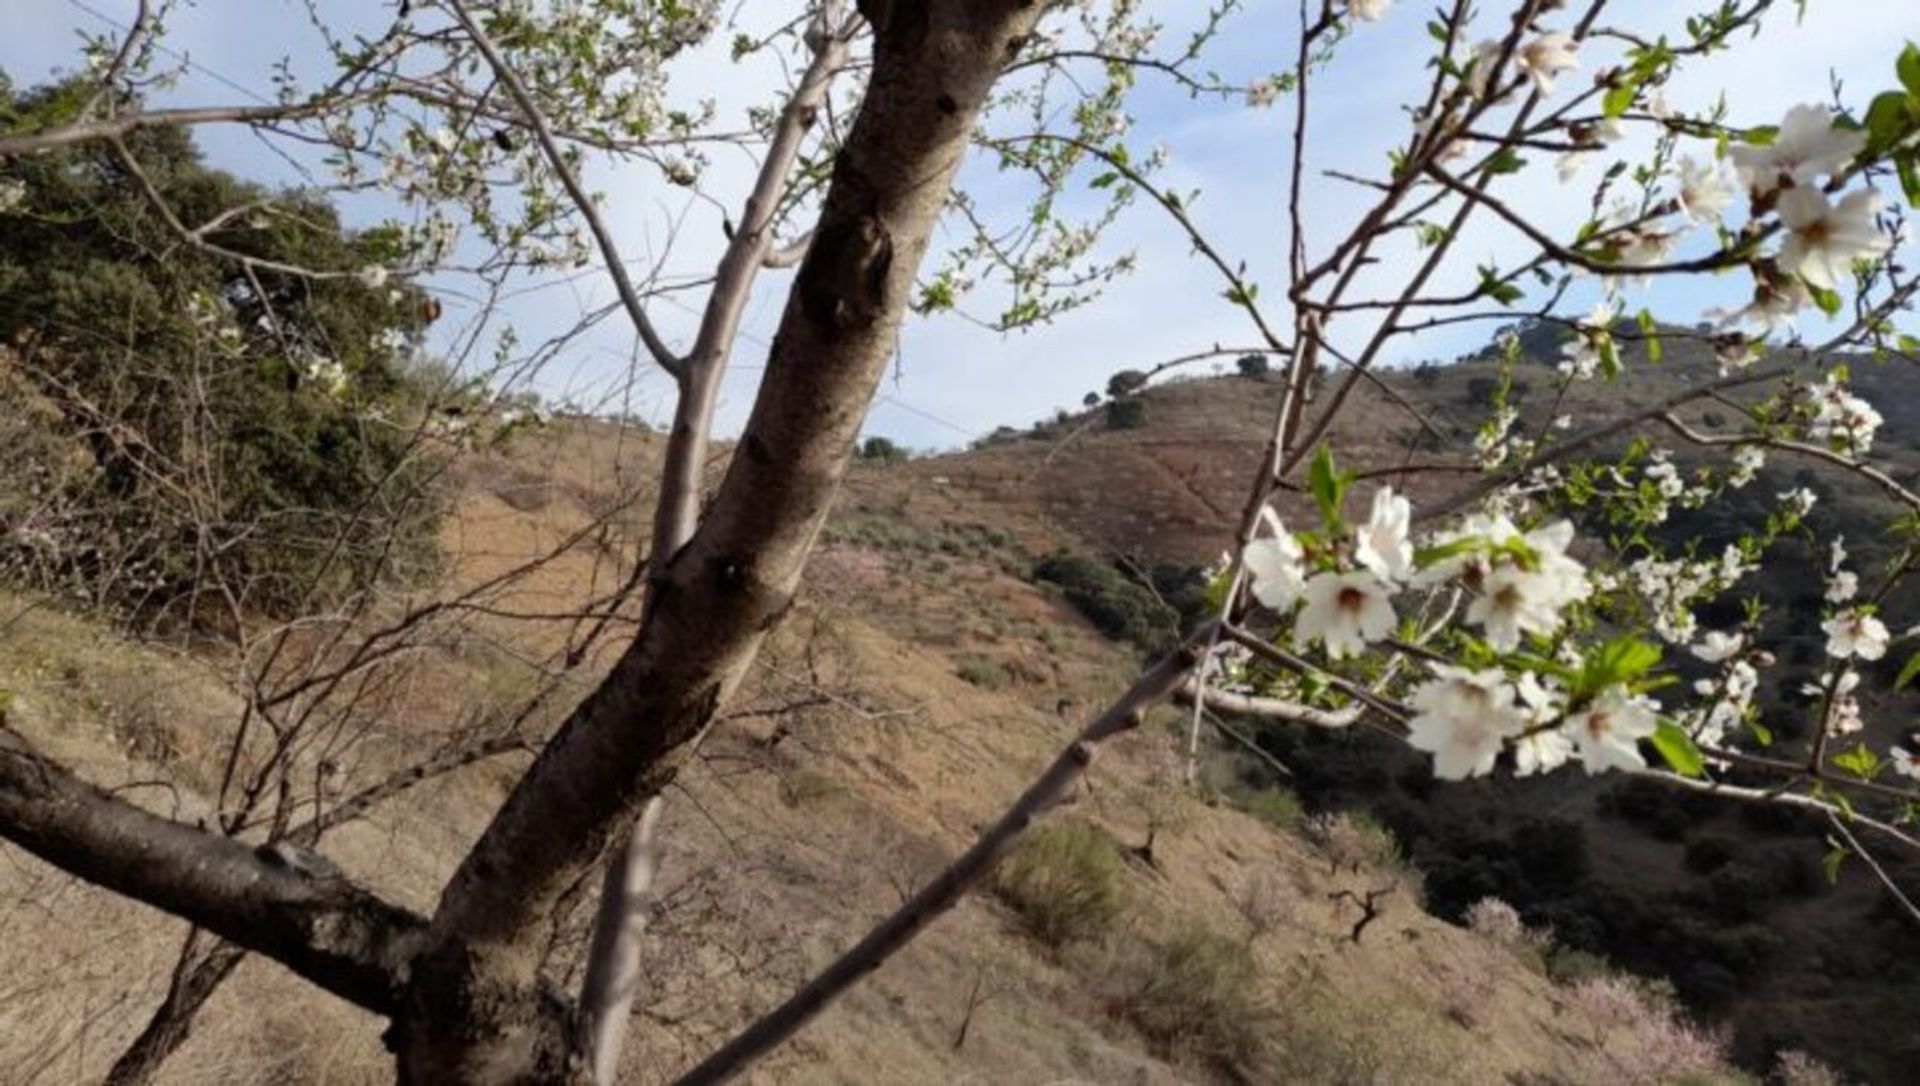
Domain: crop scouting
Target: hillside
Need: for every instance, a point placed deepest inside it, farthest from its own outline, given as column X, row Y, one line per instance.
column 922, row 677
column 1728, row 903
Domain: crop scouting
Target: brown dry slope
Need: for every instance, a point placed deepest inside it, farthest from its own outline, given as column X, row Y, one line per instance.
column 1729, row 903
column 918, row 684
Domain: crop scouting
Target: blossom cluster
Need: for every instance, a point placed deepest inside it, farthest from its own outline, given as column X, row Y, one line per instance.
column 1338, row 588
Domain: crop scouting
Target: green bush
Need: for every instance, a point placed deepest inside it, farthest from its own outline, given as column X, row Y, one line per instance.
column 260, row 434
column 1199, row 994
column 881, row 450
column 1118, row 606
column 1278, row 807
column 1126, row 414
column 983, row 673
column 1063, row 879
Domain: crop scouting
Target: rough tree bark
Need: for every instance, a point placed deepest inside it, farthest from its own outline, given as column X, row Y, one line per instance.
column 476, row 1010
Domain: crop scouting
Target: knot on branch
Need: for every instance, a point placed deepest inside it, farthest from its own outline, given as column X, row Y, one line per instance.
column 843, row 284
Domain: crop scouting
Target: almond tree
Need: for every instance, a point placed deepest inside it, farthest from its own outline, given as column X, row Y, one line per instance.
column 1498, row 626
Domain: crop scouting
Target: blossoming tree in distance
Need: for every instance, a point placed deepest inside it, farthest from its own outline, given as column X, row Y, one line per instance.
column 1513, row 604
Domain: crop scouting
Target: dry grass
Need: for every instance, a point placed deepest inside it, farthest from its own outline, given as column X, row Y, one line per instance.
column 1063, row 881
column 759, row 891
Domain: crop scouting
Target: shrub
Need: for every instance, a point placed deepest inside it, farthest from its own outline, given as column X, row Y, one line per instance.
column 1497, row 922
column 1277, row 807
column 1252, row 365
column 1653, row 1043
column 1198, row 994
column 1354, row 840
column 1124, row 382
column 1119, row 607
column 983, row 673
column 806, row 786
column 1063, row 879
column 1796, row 1068
column 235, row 445
column 1571, row 965
column 1126, row 414
column 881, row 450
column 1324, row 1035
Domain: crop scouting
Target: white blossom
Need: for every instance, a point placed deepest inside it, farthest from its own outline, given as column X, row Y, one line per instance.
column 1734, row 352
column 1580, row 356
column 1384, row 544
column 1480, row 75
column 1343, row 611
column 1463, row 719
column 1275, row 564
column 1855, row 633
column 1705, row 193
column 1568, row 165
column 1608, row 730
column 1665, row 475
column 373, row 276
column 1775, row 303
column 1747, row 462
column 1513, row 602
column 1539, row 749
column 1368, row 10
column 1842, row 418
column 13, row 193
column 1718, row 646
column 1842, row 586
column 1546, row 56
column 1826, row 238
column 1798, row 501
column 1807, row 146
column 1904, row 763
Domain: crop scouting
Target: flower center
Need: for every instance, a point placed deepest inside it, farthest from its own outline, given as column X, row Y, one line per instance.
column 1598, row 724
column 1351, row 599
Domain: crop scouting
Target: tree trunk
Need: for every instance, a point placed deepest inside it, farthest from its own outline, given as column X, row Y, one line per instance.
column 477, row 1010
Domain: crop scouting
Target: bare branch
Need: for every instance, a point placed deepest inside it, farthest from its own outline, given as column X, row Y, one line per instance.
column 941, row 894
column 326, row 929
column 582, row 199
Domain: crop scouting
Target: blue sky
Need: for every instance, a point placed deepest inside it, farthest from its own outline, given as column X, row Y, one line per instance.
column 955, row 380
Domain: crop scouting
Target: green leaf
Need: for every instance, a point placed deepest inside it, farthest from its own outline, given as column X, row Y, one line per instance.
column 1676, row 746
column 1907, row 163
column 1427, row 556
column 1908, row 672
column 1105, row 180
column 1889, row 118
column 1609, row 358
column 1327, row 486
column 1860, row 761
column 1830, row 863
column 1908, row 68
column 1504, row 162
column 1620, row 661
column 1618, row 99
column 1828, row 300
column 1652, row 332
